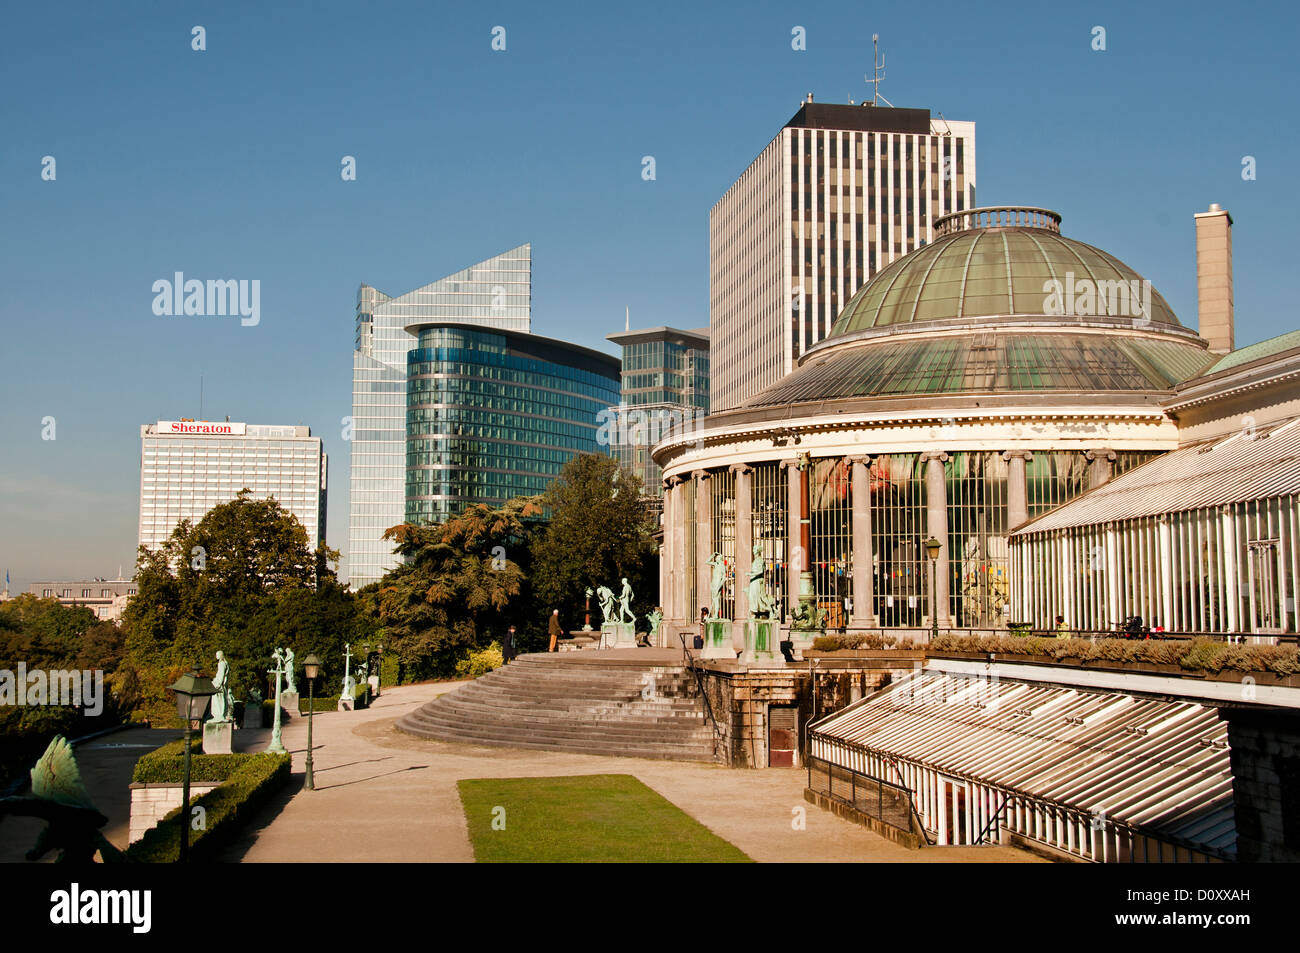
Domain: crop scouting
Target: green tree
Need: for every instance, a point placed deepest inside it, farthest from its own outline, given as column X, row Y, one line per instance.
column 598, row 532
column 243, row 580
column 460, row 584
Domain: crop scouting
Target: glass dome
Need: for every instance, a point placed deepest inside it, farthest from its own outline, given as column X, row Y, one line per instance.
column 1000, row 263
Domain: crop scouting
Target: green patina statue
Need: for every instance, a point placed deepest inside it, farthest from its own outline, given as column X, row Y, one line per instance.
column 223, row 702
column 625, row 604
column 59, row 798
column 717, row 579
column 760, row 599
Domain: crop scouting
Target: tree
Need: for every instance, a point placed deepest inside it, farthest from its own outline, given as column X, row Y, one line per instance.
column 243, row 580
column 458, row 584
column 599, row 531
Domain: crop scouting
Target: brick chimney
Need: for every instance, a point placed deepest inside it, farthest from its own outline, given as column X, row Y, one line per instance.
column 1214, row 278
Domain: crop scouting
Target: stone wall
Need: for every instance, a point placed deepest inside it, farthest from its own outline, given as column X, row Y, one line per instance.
column 742, row 696
column 150, row 803
column 1265, row 748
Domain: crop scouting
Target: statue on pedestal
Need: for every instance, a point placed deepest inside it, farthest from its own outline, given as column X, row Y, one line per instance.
column 223, row 702
column 717, row 579
column 760, row 599
column 290, row 684
column 625, row 604
column 606, row 597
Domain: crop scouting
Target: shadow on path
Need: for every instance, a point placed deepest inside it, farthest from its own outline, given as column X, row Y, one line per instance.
column 373, row 777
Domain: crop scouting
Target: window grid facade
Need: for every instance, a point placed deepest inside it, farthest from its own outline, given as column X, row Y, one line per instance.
column 768, row 514
column 831, row 537
column 722, row 523
column 977, row 538
column 898, row 526
column 1213, row 570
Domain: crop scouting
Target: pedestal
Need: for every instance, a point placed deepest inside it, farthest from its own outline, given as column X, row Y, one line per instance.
column 618, row 635
column 717, row 639
column 345, row 704
column 760, row 640
column 216, row 737
column 289, row 702
column 373, row 682
column 802, row 639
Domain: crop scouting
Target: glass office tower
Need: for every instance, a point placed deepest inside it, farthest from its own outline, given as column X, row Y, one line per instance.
column 665, row 391
column 496, row 293
column 492, row 415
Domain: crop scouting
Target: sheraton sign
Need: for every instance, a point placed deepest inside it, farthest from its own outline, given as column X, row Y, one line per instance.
column 201, row 428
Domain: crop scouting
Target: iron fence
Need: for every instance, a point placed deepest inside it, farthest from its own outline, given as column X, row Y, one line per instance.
column 873, row 797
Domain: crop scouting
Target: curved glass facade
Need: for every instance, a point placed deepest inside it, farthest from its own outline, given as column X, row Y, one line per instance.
column 490, row 416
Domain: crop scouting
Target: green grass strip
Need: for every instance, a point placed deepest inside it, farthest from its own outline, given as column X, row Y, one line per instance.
column 590, row 818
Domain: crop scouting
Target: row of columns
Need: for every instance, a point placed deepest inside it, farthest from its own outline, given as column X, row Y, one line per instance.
column 675, row 598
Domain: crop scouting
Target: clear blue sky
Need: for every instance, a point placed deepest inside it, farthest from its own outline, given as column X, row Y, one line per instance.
column 225, row 164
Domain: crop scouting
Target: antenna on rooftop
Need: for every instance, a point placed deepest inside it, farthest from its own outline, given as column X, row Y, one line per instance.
column 627, row 318
column 878, row 73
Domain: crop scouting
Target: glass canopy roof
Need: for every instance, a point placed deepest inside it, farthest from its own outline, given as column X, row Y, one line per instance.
column 1005, row 361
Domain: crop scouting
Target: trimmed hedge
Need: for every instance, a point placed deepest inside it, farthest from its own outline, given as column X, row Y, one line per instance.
column 874, row 641
column 480, row 661
column 1193, row 655
column 166, row 765
column 228, row 807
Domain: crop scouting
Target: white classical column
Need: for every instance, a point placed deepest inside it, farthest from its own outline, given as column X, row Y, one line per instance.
column 744, row 537
column 683, row 578
column 674, row 544
column 1017, row 499
column 936, row 517
column 703, row 537
column 665, row 562
column 1068, row 607
column 864, row 597
column 1114, row 612
column 1231, row 587
column 1165, row 541
column 795, row 558
column 1102, row 468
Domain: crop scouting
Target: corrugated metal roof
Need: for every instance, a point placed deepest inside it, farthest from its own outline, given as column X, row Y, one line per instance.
column 1246, row 466
column 1253, row 352
column 1159, row 765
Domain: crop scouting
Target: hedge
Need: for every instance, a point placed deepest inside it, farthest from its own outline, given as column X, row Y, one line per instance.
column 1193, row 655
column 166, row 765
column 228, row 807
column 872, row 640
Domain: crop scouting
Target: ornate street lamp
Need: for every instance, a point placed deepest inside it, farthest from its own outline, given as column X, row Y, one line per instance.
column 310, row 669
column 193, row 692
column 932, row 547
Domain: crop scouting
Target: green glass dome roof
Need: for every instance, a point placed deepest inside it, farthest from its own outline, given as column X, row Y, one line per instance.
column 998, row 263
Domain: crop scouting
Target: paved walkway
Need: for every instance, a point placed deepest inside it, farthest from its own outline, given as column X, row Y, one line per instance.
column 382, row 795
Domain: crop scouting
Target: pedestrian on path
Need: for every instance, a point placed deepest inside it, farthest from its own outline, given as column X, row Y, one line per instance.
column 554, row 629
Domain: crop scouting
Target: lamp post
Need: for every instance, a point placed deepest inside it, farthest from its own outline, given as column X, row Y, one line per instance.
column 277, row 744
column 193, row 693
column 932, row 547
column 379, row 672
column 310, row 668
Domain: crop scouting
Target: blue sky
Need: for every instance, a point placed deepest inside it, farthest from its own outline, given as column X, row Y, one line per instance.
column 225, row 164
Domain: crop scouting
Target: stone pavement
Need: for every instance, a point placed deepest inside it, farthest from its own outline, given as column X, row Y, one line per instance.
column 382, row 795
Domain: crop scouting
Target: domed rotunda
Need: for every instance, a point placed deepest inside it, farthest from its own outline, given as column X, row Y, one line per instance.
column 980, row 381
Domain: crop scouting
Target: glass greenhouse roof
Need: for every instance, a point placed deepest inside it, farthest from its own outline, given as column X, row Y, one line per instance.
column 991, row 362
column 1000, row 272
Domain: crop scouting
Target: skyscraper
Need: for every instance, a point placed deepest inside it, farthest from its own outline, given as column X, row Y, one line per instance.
column 189, row 466
column 840, row 193
column 496, row 293
column 665, row 390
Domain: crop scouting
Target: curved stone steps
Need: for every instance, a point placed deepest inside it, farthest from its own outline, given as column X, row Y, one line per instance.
column 592, row 705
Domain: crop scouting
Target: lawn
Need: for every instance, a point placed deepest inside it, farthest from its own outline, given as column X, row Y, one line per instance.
column 590, row 818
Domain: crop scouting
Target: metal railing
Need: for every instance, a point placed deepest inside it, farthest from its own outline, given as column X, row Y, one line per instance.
column 699, row 685
column 873, row 797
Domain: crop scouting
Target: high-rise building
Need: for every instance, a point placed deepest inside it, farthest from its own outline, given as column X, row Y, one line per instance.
column 665, row 391
column 496, row 293
column 840, row 193
column 189, row 466
column 494, row 414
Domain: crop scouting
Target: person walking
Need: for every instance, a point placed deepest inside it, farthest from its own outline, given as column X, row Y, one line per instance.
column 554, row 629
column 1062, row 630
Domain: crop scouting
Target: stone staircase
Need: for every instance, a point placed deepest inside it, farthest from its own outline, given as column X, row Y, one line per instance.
column 631, row 703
